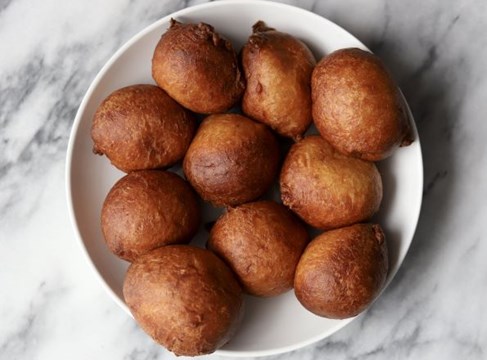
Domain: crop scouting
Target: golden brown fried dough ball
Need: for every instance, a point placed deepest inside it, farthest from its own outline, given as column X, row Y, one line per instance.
column 148, row 209
column 262, row 243
column 185, row 298
column 357, row 106
column 140, row 127
column 198, row 68
column 232, row 160
column 278, row 68
column 328, row 189
column 342, row 271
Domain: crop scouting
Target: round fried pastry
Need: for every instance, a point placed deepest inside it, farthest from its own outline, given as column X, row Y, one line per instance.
column 185, row 298
column 326, row 188
column 277, row 69
column 148, row 209
column 357, row 106
column 140, row 127
column 232, row 160
column 262, row 243
column 342, row 271
column 198, row 68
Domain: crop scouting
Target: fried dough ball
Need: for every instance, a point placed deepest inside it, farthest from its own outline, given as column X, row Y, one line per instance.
column 328, row 189
column 198, row 68
column 357, row 106
column 277, row 68
column 185, row 298
column 148, row 209
column 262, row 243
column 232, row 160
column 140, row 127
column 342, row 271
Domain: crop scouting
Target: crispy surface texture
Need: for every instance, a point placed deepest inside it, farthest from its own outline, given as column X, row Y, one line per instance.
column 185, row 298
column 328, row 189
column 262, row 243
column 198, row 68
column 232, row 160
column 140, row 127
column 148, row 209
column 342, row 271
column 277, row 68
column 357, row 106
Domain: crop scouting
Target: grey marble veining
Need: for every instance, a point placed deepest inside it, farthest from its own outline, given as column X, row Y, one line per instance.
column 51, row 305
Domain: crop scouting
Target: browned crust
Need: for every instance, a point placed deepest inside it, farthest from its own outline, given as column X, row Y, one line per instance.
column 342, row 271
column 357, row 106
column 148, row 209
column 232, row 160
column 328, row 189
column 198, row 68
column 185, row 298
column 277, row 69
column 262, row 243
column 140, row 127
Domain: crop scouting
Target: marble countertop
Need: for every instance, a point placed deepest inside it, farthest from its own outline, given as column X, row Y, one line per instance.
column 52, row 306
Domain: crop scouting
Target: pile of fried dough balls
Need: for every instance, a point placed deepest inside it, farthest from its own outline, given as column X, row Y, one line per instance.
column 189, row 299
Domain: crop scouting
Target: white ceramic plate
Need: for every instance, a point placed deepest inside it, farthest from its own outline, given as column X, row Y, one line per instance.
column 271, row 326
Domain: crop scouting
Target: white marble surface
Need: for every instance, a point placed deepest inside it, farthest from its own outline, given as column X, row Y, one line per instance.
column 52, row 307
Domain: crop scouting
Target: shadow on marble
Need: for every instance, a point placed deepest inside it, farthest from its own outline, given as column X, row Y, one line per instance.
column 432, row 103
